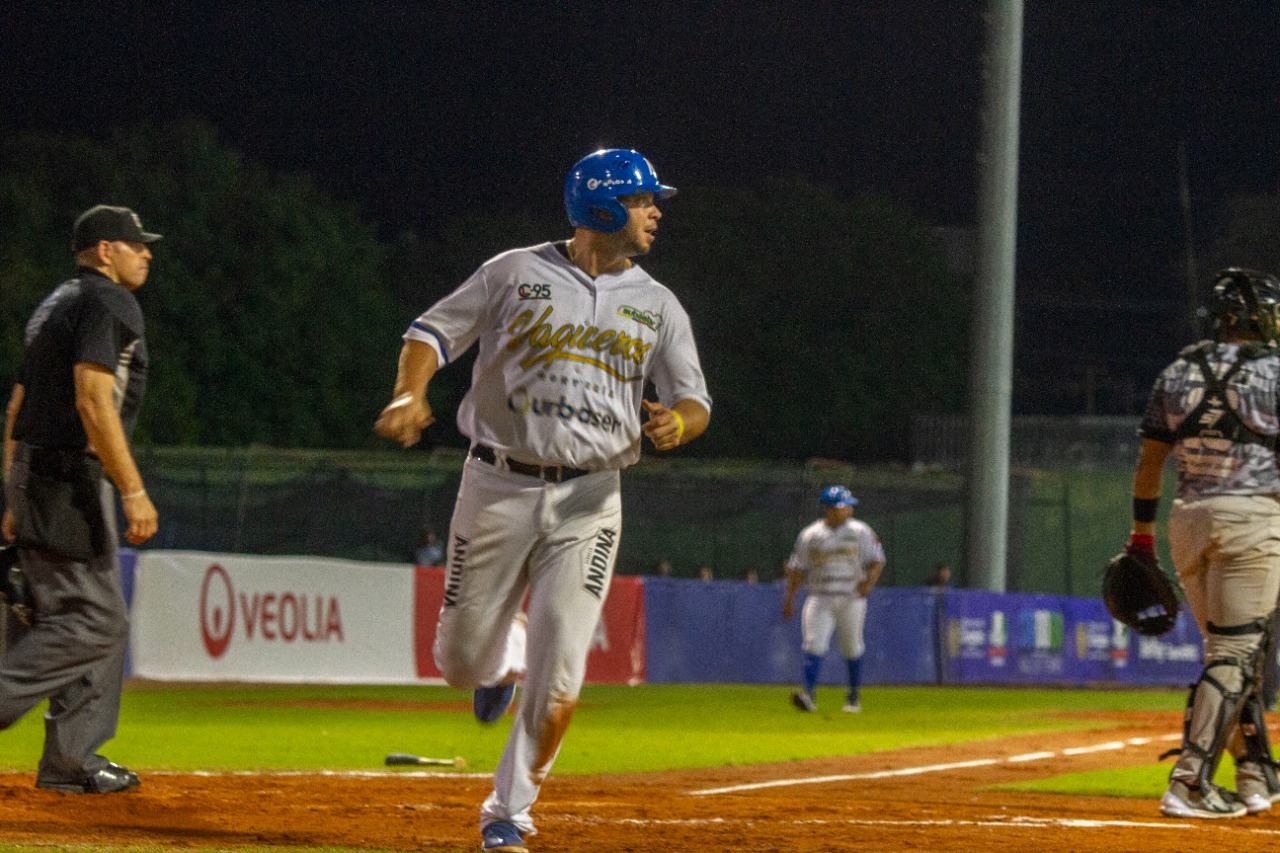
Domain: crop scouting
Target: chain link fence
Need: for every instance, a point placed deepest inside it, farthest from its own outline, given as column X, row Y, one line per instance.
column 1069, row 495
column 738, row 519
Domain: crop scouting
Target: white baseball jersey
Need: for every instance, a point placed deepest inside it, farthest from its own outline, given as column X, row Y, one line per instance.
column 563, row 357
column 834, row 560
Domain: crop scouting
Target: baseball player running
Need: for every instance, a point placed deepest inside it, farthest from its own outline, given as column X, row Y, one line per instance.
column 568, row 334
column 839, row 559
column 1216, row 409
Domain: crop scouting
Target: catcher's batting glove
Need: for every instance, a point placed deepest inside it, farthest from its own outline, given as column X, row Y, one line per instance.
column 1141, row 545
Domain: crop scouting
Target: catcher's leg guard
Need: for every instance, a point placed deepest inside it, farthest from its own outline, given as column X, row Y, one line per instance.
column 1214, row 702
column 1256, row 765
column 1256, row 768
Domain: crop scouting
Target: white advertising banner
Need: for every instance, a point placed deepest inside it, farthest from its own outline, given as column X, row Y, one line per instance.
column 223, row 617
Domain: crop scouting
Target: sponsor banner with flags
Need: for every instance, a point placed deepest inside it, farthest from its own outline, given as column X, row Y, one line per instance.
column 1023, row 638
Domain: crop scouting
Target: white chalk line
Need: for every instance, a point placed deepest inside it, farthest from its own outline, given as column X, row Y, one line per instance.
column 332, row 774
column 1011, row 822
column 930, row 768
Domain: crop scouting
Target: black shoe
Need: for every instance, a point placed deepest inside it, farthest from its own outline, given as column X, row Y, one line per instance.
column 111, row 779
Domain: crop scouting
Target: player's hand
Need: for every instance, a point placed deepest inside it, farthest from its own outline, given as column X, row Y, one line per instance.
column 788, row 609
column 865, row 587
column 6, row 527
column 143, row 519
column 664, row 427
column 404, row 419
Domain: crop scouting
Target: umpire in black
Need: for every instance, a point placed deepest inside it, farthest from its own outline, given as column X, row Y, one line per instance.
column 66, row 440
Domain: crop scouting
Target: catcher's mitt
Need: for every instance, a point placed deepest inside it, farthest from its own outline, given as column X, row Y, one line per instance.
column 1138, row 594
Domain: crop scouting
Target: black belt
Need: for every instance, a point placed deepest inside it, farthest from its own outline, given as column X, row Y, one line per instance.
column 549, row 473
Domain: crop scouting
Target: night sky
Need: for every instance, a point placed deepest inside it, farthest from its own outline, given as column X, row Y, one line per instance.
column 416, row 111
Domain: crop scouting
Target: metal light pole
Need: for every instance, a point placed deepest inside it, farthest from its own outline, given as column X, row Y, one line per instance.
column 991, row 372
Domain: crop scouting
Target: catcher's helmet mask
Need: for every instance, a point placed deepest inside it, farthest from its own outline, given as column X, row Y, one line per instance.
column 1247, row 300
column 597, row 181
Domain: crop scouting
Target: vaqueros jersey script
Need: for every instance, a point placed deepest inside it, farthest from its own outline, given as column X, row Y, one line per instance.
column 563, row 357
column 1210, row 465
column 834, row 560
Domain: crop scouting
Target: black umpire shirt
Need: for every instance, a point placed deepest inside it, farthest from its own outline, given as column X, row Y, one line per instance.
column 91, row 319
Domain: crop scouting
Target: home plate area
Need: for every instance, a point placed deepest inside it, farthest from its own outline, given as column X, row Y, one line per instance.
column 935, row 798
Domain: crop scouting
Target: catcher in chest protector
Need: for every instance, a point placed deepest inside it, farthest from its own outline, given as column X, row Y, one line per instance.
column 1216, row 409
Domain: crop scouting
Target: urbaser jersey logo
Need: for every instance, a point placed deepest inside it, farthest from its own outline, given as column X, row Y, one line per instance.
column 644, row 318
column 284, row 616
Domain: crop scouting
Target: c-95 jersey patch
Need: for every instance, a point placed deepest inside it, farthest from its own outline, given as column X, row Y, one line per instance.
column 537, row 290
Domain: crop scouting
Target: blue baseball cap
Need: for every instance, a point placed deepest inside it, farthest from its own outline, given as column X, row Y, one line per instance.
column 837, row 496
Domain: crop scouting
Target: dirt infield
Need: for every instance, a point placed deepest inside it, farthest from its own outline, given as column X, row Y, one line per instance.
column 914, row 799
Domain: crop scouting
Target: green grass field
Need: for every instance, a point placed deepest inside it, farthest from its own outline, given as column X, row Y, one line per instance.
column 665, row 726
column 165, row 727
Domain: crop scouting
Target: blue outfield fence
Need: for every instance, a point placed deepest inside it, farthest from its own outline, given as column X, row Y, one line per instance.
column 732, row 631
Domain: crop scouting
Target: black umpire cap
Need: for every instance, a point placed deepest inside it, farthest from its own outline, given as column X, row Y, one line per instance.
column 104, row 222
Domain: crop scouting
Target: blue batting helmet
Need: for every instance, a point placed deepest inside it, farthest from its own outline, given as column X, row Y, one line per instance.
column 837, row 496
column 591, row 191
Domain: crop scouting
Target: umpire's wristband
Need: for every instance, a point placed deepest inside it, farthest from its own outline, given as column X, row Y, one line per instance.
column 1144, row 509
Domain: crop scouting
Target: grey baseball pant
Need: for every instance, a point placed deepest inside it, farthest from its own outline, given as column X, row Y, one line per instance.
column 73, row 655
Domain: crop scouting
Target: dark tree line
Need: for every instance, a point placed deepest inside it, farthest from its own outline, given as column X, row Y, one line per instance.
column 275, row 312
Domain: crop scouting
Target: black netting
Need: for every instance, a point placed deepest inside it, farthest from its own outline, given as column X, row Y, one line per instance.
column 733, row 518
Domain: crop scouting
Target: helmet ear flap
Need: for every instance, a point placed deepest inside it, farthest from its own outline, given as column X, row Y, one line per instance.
column 608, row 216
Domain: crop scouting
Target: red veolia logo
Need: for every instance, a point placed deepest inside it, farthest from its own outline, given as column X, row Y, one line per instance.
column 217, row 611
column 270, row 616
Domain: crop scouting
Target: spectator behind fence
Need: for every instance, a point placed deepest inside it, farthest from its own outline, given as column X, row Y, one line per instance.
column 428, row 551
column 941, row 577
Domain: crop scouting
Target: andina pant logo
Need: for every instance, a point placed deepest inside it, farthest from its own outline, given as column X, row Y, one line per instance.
column 262, row 616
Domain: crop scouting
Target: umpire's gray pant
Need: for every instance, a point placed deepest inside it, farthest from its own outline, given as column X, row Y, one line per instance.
column 73, row 655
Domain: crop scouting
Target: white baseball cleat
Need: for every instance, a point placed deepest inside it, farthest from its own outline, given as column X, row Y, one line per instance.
column 1255, row 803
column 1181, row 800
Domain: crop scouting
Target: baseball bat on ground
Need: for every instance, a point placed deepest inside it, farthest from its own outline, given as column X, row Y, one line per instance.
column 402, row 758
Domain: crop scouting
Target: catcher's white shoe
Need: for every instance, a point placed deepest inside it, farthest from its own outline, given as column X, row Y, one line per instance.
column 1254, row 786
column 1181, row 800
column 1255, row 803
column 852, row 708
column 803, row 701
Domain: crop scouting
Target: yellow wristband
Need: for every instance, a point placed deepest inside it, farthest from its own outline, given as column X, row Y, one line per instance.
column 679, row 425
